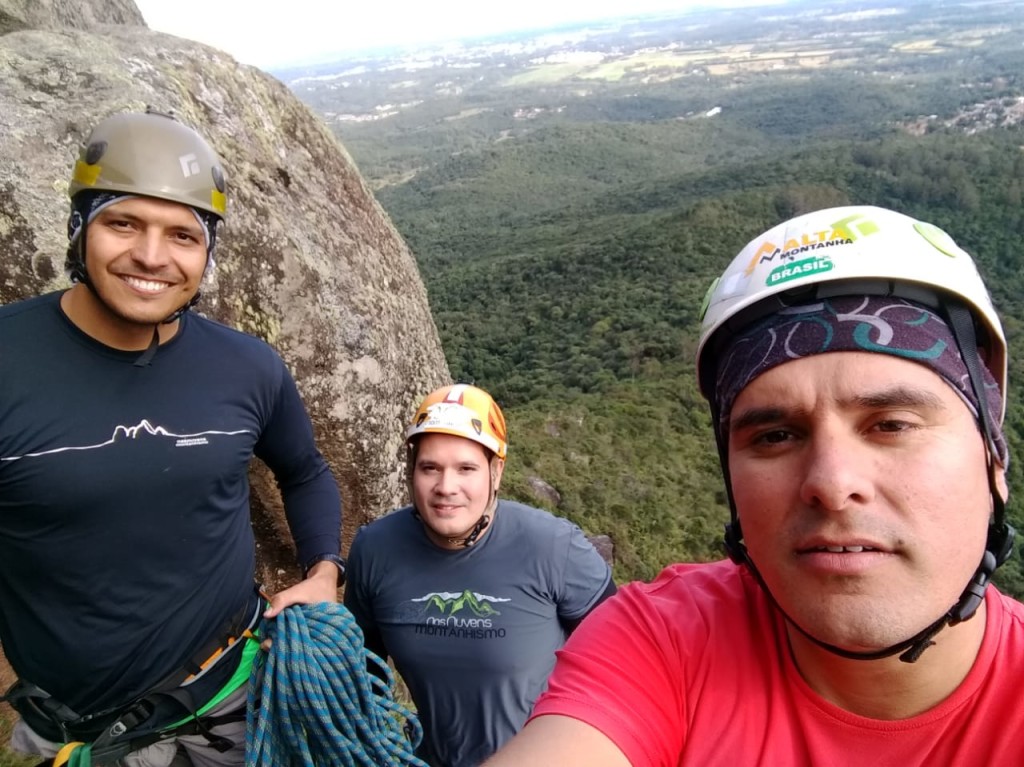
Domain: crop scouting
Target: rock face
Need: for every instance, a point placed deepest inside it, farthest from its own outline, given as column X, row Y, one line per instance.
column 61, row 14
column 308, row 259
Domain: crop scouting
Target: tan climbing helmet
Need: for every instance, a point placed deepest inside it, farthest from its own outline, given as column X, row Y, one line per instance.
column 151, row 154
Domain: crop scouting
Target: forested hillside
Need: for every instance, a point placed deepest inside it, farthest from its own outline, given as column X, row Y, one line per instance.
column 569, row 208
column 585, row 323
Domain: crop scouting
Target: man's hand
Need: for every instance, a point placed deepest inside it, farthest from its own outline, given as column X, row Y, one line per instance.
column 321, row 585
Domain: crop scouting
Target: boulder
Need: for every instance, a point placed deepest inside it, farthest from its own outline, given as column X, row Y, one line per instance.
column 543, row 491
column 605, row 547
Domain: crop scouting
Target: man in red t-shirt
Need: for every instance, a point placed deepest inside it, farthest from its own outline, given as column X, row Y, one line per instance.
column 856, row 372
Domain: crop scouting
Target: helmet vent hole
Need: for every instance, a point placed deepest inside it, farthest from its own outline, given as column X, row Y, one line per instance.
column 95, row 152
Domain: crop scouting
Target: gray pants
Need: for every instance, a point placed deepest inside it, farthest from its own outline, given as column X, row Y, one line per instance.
column 173, row 752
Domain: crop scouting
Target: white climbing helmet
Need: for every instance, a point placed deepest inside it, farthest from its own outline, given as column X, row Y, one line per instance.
column 843, row 251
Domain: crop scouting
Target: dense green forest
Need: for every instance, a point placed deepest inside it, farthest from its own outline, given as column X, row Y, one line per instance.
column 567, row 220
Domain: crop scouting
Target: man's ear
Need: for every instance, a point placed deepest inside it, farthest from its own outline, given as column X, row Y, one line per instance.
column 1001, row 484
column 497, row 469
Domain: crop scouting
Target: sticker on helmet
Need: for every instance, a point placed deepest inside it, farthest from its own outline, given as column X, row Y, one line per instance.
column 86, row 174
column 793, row 247
column 189, row 165
column 938, row 239
column 803, row 268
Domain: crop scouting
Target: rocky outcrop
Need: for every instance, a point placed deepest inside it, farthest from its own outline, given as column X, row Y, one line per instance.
column 605, row 547
column 308, row 260
column 543, row 491
column 66, row 14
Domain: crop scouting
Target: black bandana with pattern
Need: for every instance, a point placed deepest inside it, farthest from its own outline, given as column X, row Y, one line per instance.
column 885, row 325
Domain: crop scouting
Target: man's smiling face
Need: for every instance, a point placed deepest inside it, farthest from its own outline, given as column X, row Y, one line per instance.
column 145, row 258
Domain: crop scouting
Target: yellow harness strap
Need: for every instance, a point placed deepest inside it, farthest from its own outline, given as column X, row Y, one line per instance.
column 65, row 755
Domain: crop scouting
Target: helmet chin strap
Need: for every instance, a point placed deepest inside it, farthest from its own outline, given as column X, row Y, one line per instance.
column 147, row 356
column 998, row 549
column 473, row 534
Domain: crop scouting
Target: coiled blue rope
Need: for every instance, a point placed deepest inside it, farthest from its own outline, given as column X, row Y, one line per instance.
column 313, row 701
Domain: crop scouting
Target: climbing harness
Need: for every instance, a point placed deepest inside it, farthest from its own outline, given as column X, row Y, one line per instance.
column 314, row 699
column 103, row 738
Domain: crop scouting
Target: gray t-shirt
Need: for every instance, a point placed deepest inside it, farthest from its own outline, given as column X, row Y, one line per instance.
column 473, row 632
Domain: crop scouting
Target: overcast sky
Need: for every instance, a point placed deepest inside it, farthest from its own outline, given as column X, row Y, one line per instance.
column 268, row 33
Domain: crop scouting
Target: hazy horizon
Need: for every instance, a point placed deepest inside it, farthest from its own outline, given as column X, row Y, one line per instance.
column 258, row 33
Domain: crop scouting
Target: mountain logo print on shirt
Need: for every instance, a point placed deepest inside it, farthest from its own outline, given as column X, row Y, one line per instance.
column 465, row 615
column 449, row 603
column 142, row 429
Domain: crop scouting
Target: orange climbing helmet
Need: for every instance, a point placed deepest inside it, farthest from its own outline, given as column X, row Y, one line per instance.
column 465, row 411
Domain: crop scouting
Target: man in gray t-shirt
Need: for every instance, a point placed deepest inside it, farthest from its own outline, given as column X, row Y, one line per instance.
column 469, row 595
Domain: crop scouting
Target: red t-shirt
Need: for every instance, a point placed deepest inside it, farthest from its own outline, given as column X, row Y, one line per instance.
column 694, row 669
